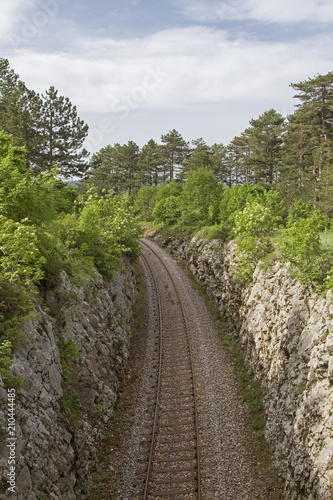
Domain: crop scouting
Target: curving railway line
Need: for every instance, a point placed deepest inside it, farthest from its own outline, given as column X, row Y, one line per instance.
column 172, row 467
column 184, row 434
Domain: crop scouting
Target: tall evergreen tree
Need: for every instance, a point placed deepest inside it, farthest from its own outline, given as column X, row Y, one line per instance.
column 200, row 156
column 63, row 134
column 114, row 168
column 237, row 168
column 176, row 151
column 127, row 161
column 48, row 126
column 264, row 138
column 308, row 169
column 150, row 163
column 219, row 153
column 17, row 105
column 102, row 172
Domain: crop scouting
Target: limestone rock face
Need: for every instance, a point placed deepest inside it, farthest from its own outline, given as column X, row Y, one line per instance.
column 56, row 454
column 286, row 334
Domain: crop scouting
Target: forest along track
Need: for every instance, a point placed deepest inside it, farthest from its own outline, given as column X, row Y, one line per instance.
column 193, row 416
column 173, row 466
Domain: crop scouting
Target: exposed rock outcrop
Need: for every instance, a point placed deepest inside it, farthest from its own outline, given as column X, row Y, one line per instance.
column 286, row 334
column 72, row 364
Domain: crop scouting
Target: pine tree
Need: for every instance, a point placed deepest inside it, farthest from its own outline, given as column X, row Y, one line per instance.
column 150, row 164
column 16, row 109
column 309, row 141
column 62, row 133
column 219, row 153
column 114, row 168
column 176, row 151
column 200, row 156
column 264, row 138
column 102, row 173
column 127, row 157
column 48, row 126
column 237, row 166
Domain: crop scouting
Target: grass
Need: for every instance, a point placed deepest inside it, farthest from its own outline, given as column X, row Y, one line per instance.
column 301, row 388
column 251, row 390
column 176, row 231
column 326, row 239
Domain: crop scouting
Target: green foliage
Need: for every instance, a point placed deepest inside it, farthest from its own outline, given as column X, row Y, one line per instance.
column 168, row 211
column 250, row 251
column 16, row 306
column 61, row 134
column 145, row 201
column 264, row 139
column 6, row 361
column 104, row 228
column 43, row 496
column 23, row 196
column 216, row 231
column 236, row 198
column 252, row 225
column 69, row 353
column 328, row 280
column 175, row 151
column 47, row 125
column 326, row 238
column 255, row 220
column 201, row 156
column 20, row 258
column 301, row 245
column 299, row 210
column 164, row 211
column 71, row 404
column 150, row 163
column 44, row 228
column 251, row 389
column 198, row 198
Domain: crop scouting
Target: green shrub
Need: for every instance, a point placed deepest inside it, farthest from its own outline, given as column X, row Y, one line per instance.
column 104, row 228
column 167, row 211
column 16, row 307
column 301, row 246
column 69, row 352
column 254, row 220
column 20, row 258
column 250, row 251
column 145, row 201
column 328, row 281
column 6, row 361
column 236, row 198
column 217, row 231
column 199, row 198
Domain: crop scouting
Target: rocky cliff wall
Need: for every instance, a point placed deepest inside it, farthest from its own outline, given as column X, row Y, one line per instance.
column 286, row 335
column 72, row 363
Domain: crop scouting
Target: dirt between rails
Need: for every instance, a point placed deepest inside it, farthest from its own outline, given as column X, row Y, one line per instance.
column 234, row 459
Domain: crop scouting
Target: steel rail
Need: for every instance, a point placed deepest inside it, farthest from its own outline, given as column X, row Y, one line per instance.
column 151, row 452
column 192, row 373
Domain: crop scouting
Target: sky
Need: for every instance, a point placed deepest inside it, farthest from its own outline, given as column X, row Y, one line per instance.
column 136, row 69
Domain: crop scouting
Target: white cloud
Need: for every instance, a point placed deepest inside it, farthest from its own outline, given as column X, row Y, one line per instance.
column 173, row 68
column 12, row 13
column 22, row 22
column 181, row 73
column 273, row 11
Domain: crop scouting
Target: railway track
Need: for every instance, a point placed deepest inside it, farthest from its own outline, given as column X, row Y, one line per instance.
column 169, row 461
